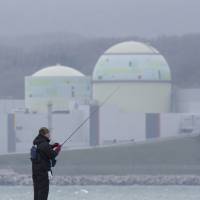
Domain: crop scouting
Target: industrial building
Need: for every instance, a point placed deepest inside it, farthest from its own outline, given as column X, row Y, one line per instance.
column 142, row 75
column 57, row 86
column 143, row 104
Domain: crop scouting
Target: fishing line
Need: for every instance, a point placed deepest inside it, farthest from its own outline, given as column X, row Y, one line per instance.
column 101, row 105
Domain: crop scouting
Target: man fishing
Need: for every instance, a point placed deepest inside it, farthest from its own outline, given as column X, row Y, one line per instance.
column 43, row 158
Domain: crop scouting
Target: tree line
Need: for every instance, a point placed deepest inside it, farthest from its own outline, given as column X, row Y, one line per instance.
column 22, row 56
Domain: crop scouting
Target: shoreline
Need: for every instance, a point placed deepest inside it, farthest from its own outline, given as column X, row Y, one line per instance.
column 26, row 180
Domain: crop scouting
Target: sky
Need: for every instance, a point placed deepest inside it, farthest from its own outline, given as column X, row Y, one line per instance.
column 107, row 18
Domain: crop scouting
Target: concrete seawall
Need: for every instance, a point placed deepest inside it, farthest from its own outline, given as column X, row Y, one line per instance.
column 173, row 156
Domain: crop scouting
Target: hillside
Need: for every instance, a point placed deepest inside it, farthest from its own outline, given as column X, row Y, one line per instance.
column 22, row 56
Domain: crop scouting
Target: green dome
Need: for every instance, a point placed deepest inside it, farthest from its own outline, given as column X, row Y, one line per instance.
column 132, row 61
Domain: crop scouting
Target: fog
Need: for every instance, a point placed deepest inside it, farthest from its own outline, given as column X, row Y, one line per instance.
column 121, row 76
column 113, row 18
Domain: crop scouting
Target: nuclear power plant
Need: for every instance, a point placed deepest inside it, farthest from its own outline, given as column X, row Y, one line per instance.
column 145, row 109
column 142, row 74
column 57, row 86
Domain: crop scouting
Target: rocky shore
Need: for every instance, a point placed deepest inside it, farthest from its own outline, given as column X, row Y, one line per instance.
column 17, row 179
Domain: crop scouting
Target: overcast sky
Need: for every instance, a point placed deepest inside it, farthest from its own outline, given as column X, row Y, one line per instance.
column 144, row 18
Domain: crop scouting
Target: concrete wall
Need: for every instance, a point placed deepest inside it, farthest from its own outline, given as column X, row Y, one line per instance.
column 169, row 124
column 173, row 124
column 3, row 133
column 145, row 97
column 178, row 155
column 10, row 105
column 63, row 124
column 27, row 126
column 188, row 100
column 117, row 125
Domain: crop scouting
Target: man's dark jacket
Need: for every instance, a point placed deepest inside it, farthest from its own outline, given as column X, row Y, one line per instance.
column 41, row 166
column 45, row 154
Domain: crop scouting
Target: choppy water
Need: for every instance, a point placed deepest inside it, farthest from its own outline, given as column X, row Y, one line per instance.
column 105, row 193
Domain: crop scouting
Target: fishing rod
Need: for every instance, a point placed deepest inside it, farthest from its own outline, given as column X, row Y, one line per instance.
column 106, row 99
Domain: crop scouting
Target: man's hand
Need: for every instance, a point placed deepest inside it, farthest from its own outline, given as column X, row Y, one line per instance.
column 50, row 175
column 58, row 148
column 55, row 145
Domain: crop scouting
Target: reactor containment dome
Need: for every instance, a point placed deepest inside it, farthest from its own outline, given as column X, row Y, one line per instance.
column 141, row 73
column 56, row 86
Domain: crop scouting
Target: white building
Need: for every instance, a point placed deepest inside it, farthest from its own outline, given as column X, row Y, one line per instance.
column 140, row 72
column 58, row 86
column 140, row 108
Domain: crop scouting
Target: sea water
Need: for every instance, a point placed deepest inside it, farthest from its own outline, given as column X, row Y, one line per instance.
column 105, row 193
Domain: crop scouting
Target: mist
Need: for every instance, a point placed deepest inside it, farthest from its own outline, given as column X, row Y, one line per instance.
column 107, row 18
column 101, row 92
